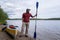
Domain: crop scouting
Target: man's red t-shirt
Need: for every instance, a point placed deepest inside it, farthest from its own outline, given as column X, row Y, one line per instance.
column 26, row 17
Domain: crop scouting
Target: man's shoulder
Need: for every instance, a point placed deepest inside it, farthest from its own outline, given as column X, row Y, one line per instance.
column 24, row 13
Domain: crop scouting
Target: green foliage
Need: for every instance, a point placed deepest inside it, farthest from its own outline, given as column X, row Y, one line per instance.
column 3, row 16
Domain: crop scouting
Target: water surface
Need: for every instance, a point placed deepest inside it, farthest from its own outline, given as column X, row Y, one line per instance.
column 46, row 29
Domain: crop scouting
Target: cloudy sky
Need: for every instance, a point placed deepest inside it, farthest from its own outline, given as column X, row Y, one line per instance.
column 47, row 8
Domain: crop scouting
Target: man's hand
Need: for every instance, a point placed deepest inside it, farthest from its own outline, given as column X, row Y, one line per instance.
column 36, row 15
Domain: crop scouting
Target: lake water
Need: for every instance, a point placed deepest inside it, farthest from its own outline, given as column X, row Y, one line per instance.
column 46, row 29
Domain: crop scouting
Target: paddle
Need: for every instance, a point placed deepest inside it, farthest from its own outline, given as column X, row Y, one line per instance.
column 36, row 20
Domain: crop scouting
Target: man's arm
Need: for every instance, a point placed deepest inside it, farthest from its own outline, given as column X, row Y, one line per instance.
column 34, row 16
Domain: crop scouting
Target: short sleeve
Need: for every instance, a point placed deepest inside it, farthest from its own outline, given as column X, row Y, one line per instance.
column 31, row 15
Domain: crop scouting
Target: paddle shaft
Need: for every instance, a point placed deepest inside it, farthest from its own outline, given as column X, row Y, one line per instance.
column 36, row 20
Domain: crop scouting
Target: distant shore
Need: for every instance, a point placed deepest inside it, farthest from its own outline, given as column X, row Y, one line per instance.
column 37, row 19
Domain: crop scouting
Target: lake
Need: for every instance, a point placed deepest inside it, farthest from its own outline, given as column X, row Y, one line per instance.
column 46, row 29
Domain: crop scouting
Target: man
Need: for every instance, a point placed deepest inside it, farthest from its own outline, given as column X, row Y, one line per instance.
column 25, row 21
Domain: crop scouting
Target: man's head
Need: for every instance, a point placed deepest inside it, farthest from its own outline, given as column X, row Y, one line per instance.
column 27, row 10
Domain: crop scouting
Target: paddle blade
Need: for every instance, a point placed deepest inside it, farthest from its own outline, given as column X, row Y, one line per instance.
column 37, row 4
column 34, row 34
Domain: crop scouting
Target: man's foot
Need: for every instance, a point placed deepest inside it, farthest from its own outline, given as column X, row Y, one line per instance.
column 26, row 35
column 21, row 35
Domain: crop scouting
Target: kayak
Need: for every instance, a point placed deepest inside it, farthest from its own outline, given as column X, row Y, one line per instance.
column 11, row 32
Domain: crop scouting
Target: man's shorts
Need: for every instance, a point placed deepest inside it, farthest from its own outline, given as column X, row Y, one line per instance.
column 25, row 23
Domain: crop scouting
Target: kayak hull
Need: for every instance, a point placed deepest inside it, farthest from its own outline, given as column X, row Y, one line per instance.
column 11, row 32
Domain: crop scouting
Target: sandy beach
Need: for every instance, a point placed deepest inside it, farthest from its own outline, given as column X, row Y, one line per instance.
column 5, row 36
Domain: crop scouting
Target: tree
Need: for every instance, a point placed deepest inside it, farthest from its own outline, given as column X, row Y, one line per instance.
column 3, row 16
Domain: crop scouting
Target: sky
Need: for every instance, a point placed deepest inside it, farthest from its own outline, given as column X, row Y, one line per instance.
column 46, row 8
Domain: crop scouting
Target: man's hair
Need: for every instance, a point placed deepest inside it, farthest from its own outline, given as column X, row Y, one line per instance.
column 27, row 9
